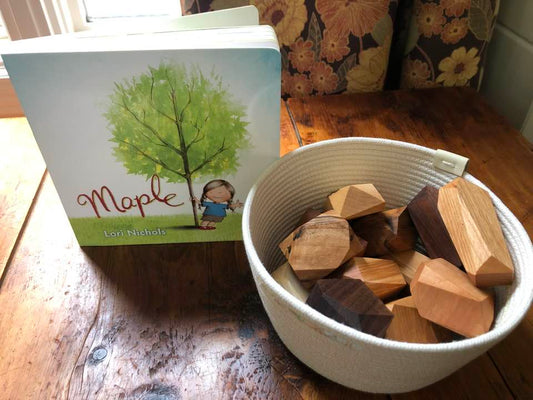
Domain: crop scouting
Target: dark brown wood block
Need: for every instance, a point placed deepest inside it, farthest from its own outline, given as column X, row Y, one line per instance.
column 318, row 247
column 375, row 229
column 471, row 220
column 383, row 277
column 445, row 295
column 430, row 226
column 352, row 303
column 308, row 215
column 404, row 232
column 408, row 326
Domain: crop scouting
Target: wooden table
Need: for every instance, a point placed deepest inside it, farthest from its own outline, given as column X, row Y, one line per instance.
column 185, row 321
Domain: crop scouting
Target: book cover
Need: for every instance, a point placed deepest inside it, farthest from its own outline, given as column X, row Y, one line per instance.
column 155, row 139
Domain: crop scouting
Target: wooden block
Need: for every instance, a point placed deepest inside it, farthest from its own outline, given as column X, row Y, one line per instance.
column 332, row 213
column 351, row 302
column 408, row 326
column 286, row 277
column 317, row 247
column 404, row 232
column 446, row 296
column 430, row 226
column 471, row 220
column 375, row 229
column 309, row 284
column 308, row 215
column 356, row 201
column 404, row 301
column 383, row 277
column 357, row 246
column 408, row 261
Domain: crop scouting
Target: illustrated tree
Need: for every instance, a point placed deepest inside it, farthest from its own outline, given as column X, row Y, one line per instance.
column 177, row 123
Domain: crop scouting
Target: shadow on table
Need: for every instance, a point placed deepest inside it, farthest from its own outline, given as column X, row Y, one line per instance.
column 175, row 279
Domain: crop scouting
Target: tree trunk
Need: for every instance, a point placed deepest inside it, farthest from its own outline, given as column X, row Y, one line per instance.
column 191, row 195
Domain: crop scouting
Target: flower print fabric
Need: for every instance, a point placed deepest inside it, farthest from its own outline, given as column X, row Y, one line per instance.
column 327, row 46
column 447, row 42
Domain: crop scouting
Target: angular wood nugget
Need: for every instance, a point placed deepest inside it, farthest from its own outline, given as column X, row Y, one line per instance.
column 404, row 232
column 352, row 303
column 430, row 226
column 471, row 220
column 375, row 229
column 318, row 247
column 408, row 261
column 286, row 277
column 408, row 326
column 446, row 296
column 355, row 201
column 357, row 246
column 383, row 277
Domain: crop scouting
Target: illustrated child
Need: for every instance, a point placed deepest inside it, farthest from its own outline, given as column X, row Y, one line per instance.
column 217, row 197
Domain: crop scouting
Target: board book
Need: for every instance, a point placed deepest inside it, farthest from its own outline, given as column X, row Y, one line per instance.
column 153, row 137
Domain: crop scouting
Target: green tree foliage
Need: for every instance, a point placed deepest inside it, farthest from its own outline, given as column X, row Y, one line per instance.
column 178, row 124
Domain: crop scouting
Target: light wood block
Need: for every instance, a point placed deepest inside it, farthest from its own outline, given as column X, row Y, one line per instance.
column 356, row 201
column 408, row 261
column 430, row 226
column 351, row 302
column 375, row 229
column 318, row 247
column 446, row 296
column 383, row 277
column 286, row 277
column 404, row 232
column 471, row 220
column 408, row 326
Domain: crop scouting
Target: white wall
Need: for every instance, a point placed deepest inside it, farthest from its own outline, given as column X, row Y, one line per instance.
column 508, row 78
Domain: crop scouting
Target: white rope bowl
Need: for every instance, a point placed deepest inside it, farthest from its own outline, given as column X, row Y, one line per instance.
column 302, row 179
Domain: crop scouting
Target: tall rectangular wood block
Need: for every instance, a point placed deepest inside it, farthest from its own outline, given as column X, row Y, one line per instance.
column 471, row 219
column 425, row 215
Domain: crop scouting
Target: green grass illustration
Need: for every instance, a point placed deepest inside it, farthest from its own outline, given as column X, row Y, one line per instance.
column 133, row 230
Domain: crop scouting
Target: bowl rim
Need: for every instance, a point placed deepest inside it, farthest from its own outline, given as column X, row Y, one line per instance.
column 342, row 333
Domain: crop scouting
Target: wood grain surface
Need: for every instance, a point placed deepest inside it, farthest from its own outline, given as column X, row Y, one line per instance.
column 185, row 321
column 288, row 138
column 21, row 172
column 9, row 102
